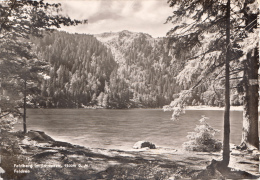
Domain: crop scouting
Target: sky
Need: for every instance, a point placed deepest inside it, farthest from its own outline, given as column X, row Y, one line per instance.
column 147, row 16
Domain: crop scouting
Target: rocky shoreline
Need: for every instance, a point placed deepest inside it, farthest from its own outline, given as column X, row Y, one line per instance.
column 36, row 155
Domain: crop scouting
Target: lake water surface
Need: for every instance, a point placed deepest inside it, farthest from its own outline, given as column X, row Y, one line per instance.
column 120, row 129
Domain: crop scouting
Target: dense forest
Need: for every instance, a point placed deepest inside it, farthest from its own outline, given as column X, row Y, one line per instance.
column 113, row 70
column 145, row 70
column 85, row 72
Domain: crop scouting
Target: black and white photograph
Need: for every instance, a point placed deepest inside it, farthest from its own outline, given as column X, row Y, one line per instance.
column 129, row 89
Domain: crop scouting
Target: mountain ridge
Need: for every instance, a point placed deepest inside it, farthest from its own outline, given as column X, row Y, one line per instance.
column 125, row 36
column 111, row 70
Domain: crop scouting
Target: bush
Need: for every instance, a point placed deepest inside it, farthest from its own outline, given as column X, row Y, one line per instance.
column 7, row 122
column 202, row 139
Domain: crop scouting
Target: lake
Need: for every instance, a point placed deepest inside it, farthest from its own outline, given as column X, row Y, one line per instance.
column 120, row 129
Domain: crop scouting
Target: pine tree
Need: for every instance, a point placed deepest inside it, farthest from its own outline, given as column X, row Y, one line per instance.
column 203, row 37
column 20, row 20
column 250, row 134
column 244, row 43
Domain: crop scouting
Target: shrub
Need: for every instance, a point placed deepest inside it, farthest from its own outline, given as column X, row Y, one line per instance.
column 7, row 122
column 202, row 139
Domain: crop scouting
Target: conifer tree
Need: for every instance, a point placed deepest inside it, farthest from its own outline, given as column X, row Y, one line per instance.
column 241, row 51
column 20, row 20
column 250, row 60
column 199, row 43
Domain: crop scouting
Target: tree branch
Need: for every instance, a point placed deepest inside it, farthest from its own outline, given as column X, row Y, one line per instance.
column 5, row 115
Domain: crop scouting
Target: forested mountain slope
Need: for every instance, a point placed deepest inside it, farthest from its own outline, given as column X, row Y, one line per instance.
column 80, row 66
column 112, row 70
column 116, row 70
column 145, row 72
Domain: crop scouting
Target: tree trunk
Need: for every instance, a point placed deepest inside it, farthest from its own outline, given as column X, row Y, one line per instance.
column 226, row 148
column 250, row 136
column 0, row 95
column 24, row 106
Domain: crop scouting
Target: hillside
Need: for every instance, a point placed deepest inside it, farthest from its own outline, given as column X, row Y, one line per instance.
column 145, row 66
column 80, row 67
column 115, row 70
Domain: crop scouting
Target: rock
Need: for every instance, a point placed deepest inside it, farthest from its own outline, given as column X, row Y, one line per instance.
column 144, row 144
column 39, row 136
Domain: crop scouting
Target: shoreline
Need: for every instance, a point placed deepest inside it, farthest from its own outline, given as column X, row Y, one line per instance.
column 209, row 108
column 204, row 107
column 38, row 155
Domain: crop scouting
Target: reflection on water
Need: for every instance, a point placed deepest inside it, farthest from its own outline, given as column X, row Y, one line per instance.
column 120, row 129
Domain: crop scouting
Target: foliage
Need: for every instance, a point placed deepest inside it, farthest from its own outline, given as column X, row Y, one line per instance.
column 80, row 68
column 198, row 41
column 202, row 139
column 19, row 67
column 134, row 70
column 229, row 22
column 11, row 154
column 7, row 121
column 145, row 69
